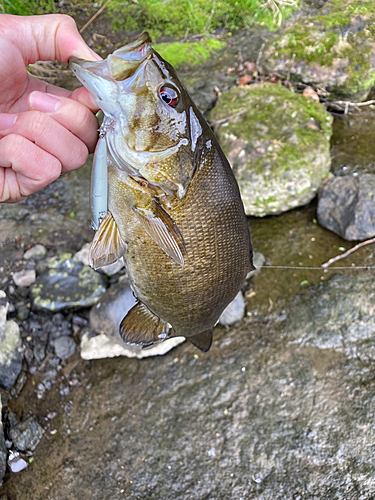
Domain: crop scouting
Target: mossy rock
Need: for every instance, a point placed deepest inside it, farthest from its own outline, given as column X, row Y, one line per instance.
column 278, row 145
column 67, row 284
column 335, row 49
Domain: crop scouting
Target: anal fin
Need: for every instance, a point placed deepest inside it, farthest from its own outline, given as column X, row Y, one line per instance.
column 107, row 245
column 141, row 327
column 160, row 226
column 202, row 340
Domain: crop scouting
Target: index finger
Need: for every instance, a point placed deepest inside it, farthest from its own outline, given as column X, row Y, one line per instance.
column 45, row 38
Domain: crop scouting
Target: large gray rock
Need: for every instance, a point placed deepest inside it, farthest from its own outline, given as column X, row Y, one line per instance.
column 347, row 206
column 67, row 284
column 278, row 145
column 270, row 413
column 338, row 315
column 3, row 449
column 334, row 49
column 11, row 354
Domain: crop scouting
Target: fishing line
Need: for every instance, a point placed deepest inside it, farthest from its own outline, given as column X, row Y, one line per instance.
column 322, row 269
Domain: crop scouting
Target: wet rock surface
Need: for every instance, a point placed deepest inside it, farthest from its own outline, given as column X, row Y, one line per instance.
column 278, row 146
column 337, row 316
column 11, row 354
column 347, row 206
column 266, row 414
column 67, row 284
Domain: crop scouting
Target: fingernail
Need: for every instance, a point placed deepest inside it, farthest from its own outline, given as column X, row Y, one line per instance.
column 7, row 120
column 85, row 54
column 44, row 102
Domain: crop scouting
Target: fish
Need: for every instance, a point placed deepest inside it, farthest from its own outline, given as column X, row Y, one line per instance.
column 164, row 198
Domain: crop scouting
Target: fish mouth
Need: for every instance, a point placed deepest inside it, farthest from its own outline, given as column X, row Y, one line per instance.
column 101, row 78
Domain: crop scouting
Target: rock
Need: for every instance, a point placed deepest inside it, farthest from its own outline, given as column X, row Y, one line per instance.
column 258, row 262
column 4, row 305
column 16, row 463
column 111, row 269
column 234, row 311
column 278, row 147
column 107, row 314
column 347, row 206
column 334, row 49
column 103, row 346
column 337, row 315
column 11, row 353
column 36, row 253
column 67, row 284
column 64, row 347
column 26, row 277
column 83, row 254
column 3, row 449
column 114, row 268
column 27, row 434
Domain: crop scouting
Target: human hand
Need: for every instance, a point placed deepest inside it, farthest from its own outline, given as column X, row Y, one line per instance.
column 44, row 130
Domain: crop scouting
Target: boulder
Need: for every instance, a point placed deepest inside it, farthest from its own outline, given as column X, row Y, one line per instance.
column 347, row 206
column 277, row 144
column 334, row 49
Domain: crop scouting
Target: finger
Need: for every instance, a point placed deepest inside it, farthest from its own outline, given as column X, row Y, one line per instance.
column 49, row 135
column 71, row 114
column 24, row 168
column 46, row 38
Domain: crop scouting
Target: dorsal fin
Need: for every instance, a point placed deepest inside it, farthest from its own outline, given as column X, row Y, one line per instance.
column 160, row 226
column 142, row 327
column 202, row 340
column 107, row 245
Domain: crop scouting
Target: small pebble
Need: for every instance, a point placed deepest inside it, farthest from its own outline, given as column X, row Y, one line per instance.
column 37, row 253
column 24, row 278
column 17, row 464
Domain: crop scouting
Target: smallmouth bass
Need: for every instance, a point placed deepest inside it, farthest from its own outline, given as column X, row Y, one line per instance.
column 174, row 210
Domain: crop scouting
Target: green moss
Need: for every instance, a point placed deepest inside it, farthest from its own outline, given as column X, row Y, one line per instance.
column 190, row 53
column 28, row 8
column 344, row 32
column 177, row 19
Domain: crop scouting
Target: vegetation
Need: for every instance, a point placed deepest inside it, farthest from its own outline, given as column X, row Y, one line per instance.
column 345, row 31
column 190, row 53
column 28, row 7
column 169, row 17
column 187, row 17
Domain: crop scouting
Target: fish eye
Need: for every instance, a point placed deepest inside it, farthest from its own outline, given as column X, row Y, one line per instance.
column 169, row 96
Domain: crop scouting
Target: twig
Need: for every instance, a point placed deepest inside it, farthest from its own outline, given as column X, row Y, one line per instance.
column 94, row 16
column 260, row 53
column 366, row 103
column 223, row 120
column 345, row 254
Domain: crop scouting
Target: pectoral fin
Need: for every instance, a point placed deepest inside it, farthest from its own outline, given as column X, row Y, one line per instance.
column 107, row 245
column 203, row 340
column 160, row 226
column 141, row 327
